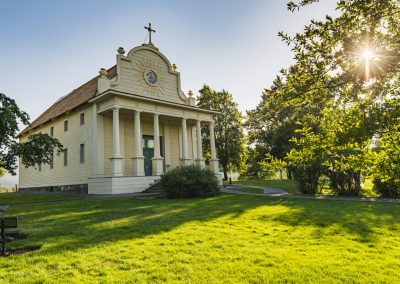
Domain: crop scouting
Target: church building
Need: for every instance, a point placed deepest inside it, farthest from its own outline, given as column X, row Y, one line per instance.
column 122, row 129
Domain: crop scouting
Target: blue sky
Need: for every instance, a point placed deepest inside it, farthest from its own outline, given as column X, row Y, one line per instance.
column 48, row 48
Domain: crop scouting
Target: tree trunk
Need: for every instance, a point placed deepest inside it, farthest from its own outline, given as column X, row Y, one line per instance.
column 289, row 174
column 225, row 170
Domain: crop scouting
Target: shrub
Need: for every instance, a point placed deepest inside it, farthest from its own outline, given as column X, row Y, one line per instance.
column 345, row 182
column 389, row 188
column 307, row 177
column 189, row 181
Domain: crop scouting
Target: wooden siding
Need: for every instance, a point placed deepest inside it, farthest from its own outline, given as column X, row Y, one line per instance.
column 75, row 172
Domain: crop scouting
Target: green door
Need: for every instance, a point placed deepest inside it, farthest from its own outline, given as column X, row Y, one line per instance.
column 148, row 153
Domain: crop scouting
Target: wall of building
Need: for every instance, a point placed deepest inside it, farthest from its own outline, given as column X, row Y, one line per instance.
column 75, row 172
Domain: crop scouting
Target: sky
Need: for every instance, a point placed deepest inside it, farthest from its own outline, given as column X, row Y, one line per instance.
column 48, row 48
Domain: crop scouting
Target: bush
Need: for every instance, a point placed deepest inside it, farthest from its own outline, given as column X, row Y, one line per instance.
column 346, row 182
column 189, row 181
column 307, row 177
column 389, row 189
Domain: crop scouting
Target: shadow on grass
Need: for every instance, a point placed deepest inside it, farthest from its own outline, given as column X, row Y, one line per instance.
column 363, row 221
column 82, row 224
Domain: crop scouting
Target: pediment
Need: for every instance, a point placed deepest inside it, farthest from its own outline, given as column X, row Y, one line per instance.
column 147, row 72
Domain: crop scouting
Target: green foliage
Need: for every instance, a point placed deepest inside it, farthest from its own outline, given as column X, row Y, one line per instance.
column 349, row 102
column 37, row 150
column 189, row 181
column 386, row 169
column 229, row 133
column 271, row 125
column 306, row 161
column 4, row 189
column 388, row 188
column 2, row 172
column 270, row 166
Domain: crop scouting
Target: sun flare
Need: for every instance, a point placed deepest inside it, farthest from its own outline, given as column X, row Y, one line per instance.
column 367, row 54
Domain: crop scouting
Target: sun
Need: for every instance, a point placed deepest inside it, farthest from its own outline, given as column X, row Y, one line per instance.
column 368, row 54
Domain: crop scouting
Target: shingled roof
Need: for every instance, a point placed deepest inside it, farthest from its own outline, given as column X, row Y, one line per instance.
column 74, row 99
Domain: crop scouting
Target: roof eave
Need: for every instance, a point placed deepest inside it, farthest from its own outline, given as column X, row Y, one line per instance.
column 139, row 97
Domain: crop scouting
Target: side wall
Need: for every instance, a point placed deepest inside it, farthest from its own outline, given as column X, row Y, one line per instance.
column 75, row 173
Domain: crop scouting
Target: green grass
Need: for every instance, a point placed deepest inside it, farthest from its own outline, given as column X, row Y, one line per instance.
column 14, row 198
column 288, row 185
column 225, row 239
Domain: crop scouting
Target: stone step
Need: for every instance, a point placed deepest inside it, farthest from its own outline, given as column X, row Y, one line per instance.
column 155, row 187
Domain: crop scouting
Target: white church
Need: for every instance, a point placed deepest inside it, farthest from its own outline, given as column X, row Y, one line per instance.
column 122, row 129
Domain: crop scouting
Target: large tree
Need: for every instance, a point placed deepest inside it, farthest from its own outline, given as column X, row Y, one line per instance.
column 38, row 149
column 349, row 67
column 229, row 134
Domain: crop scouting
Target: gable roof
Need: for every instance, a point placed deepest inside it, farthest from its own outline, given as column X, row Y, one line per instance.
column 74, row 99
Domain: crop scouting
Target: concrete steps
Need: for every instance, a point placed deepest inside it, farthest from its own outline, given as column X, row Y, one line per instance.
column 155, row 187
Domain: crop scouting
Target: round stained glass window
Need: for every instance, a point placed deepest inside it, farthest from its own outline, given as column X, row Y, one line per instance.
column 150, row 77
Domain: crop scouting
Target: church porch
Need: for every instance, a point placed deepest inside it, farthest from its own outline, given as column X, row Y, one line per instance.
column 135, row 147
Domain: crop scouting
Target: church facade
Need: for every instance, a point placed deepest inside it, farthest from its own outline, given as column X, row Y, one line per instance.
column 122, row 129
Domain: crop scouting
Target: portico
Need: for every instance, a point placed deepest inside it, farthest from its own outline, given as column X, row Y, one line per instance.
column 160, row 142
column 142, row 135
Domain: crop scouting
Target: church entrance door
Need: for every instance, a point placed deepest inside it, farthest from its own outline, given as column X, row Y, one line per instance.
column 148, row 153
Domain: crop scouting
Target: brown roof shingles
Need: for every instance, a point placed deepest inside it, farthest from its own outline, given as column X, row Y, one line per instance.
column 74, row 99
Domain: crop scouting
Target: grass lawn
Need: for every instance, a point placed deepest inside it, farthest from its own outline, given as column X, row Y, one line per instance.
column 226, row 239
column 286, row 184
column 15, row 198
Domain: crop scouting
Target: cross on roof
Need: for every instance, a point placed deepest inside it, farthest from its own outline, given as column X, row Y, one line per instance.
column 150, row 30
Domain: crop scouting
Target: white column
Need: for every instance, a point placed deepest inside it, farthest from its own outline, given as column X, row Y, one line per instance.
column 212, row 141
column 138, row 159
column 116, row 159
column 138, row 135
column 185, row 158
column 115, row 144
column 213, row 160
column 156, row 131
column 167, row 147
column 157, row 160
column 199, row 159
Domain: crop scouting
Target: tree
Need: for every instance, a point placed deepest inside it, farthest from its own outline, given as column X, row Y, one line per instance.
column 343, row 88
column 229, row 134
column 38, row 149
column 355, row 57
column 273, row 123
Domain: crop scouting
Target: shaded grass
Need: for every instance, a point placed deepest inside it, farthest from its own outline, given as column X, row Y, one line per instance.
column 14, row 198
column 225, row 239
